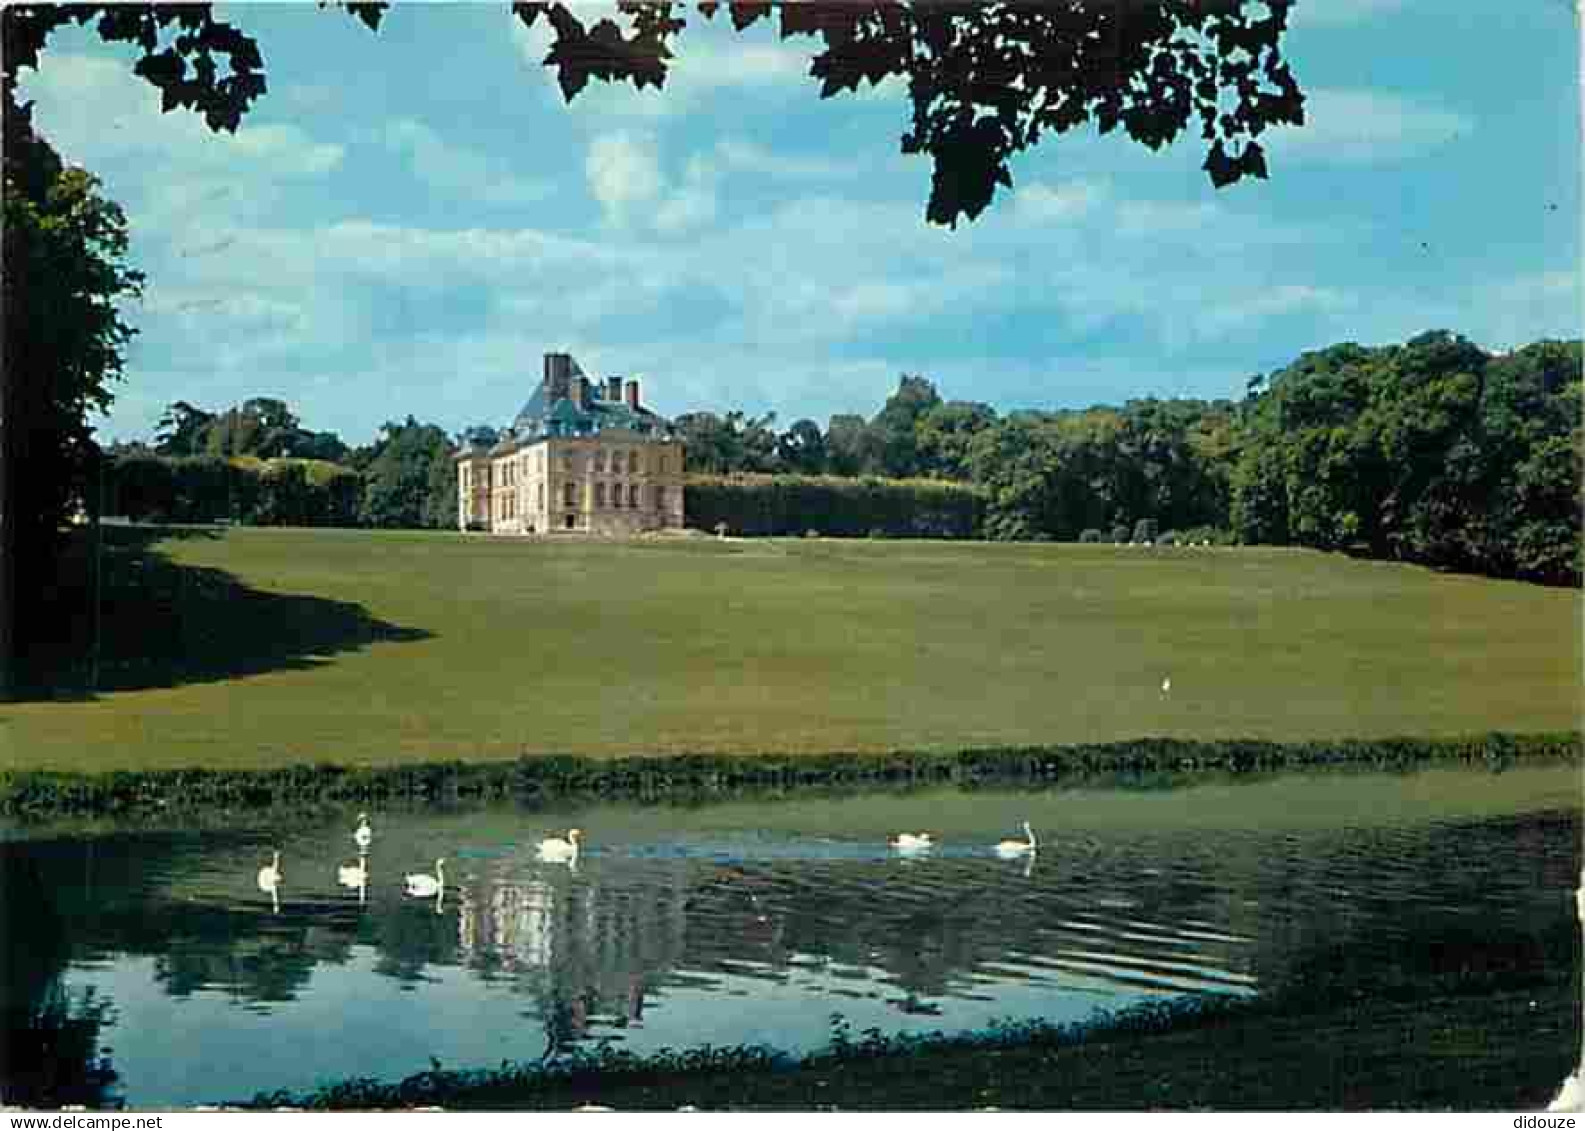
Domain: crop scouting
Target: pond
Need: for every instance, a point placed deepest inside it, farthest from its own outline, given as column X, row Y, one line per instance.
column 756, row 921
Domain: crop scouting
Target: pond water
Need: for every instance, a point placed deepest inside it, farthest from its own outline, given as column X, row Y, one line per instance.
column 756, row 922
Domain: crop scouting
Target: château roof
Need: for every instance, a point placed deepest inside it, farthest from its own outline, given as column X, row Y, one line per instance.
column 542, row 417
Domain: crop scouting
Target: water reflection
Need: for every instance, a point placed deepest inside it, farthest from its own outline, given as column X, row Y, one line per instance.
column 682, row 927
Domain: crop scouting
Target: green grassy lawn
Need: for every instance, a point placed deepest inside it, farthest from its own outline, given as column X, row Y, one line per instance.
column 256, row 647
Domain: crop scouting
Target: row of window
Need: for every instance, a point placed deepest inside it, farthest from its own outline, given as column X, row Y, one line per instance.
column 506, row 504
column 633, row 499
column 511, row 471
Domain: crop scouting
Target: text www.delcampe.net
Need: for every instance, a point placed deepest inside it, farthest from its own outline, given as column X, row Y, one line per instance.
column 83, row 1122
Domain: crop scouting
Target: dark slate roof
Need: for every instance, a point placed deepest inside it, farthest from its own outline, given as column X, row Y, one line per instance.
column 539, row 417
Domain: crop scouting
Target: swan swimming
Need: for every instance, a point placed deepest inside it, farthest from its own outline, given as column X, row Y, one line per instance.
column 421, row 885
column 355, row 876
column 270, row 879
column 363, row 834
column 912, row 842
column 1011, row 848
column 559, row 851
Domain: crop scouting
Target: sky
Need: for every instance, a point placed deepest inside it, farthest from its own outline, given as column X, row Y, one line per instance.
column 409, row 220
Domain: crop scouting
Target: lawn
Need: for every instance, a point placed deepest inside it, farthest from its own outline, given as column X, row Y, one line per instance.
column 257, row 647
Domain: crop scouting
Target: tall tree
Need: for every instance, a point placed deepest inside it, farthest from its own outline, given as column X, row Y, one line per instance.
column 181, row 430
column 802, row 448
column 894, row 426
column 65, row 265
column 943, row 434
column 397, row 476
column 851, row 448
column 1430, row 451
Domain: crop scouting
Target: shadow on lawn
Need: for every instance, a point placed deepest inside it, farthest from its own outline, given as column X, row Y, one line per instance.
column 164, row 624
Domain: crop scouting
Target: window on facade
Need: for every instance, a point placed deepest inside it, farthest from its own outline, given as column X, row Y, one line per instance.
column 616, row 494
column 632, row 463
column 599, row 460
column 660, row 498
column 539, row 496
column 569, row 494
column 632, row 496
column 599, row 494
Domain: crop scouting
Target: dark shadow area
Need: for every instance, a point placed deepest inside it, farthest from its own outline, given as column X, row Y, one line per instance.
column 50, row 1037
column 160, row 623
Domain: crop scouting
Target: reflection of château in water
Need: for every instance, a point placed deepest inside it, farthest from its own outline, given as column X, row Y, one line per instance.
column 585, row 949
column 595, row 950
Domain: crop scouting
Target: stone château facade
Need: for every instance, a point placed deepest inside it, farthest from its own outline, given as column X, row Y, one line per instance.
column 581, row 457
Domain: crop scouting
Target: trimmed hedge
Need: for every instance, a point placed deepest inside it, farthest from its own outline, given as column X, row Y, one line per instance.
column 44, row 794
column 794, row 505
column 277, row 492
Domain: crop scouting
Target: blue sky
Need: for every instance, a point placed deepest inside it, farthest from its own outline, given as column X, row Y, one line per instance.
column 408, row 220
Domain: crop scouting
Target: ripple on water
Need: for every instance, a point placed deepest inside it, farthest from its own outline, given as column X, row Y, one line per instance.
column 663, row 938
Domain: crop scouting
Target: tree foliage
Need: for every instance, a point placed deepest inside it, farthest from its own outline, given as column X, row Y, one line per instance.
column 986, row 82
column 989, row 81
column 1432, row 451
column 65, row 267
column 401, row 487
column 261, row 426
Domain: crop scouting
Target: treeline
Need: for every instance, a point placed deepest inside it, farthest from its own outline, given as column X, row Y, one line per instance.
column 1433, row 451
column 1039, row 476
column 255, row 464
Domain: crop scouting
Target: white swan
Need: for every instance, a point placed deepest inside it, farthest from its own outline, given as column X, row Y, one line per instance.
column 912, row 842
column 355, row 876
column 1010, row 848
column 558, row 851
column 270, row 880
column 422, row 885
column 364, row 834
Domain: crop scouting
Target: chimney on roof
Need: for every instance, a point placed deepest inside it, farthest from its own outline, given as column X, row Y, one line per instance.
column 632, row 394
column 613, row 389
column 558, row 376
column 580, row 393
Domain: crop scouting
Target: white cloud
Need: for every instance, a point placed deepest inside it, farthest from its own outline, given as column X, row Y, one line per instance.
column 90, row 104
column 451, row 167
column 694, row 202
column 624, row 174
column 1165, row 217
column 1037, row 203
column 1273, row 302
column 739, row 156
column 1362, row 127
